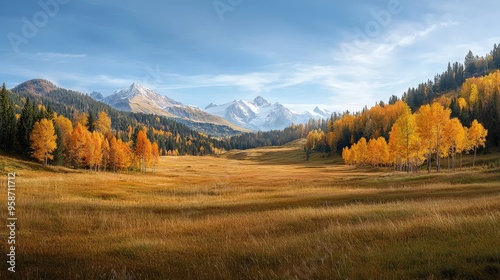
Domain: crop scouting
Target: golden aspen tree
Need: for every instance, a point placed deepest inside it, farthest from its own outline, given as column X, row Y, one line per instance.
column 123, row 155
column 93, row 150
column 43, row 140
column 431, row 120
column 332, row 141
column 372, row 153
column 440, row 117
column 377, row 151
column 80, row 118
column 98, row 139
column 65, row 129
column 456, row 136
column 346, row 152
column 396, row 148
column 89, row 151
column 103, row 122
column 105, row 150
column 476, row 138
column 424, row 119
column 406, row 135
column 417, row 153
column 113, row 147
column 148, row 155
column 155, row 154
column 383, row 151
column 141, row 144
column 77, row 144
column 462, row 103
column 360, row 151
column 348, row 155
column 474, row 94
column 313, row 139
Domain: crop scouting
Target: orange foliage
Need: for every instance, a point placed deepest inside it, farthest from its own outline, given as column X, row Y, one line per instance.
column 43, row 140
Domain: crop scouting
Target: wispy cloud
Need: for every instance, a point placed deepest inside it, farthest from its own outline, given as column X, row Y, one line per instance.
column 382, row 47
column 52, row 56
column 59, row 55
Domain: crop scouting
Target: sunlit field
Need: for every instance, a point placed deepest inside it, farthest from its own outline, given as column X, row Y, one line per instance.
column 259, row 214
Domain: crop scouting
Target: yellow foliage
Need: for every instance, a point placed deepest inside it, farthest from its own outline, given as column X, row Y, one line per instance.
column 77, row 145
column 43, row 140
column 103, row 122
column 462, row 103
column 65, row 128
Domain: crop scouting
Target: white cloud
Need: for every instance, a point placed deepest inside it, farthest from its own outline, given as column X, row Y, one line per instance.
column 59, row 55
column 52, row 56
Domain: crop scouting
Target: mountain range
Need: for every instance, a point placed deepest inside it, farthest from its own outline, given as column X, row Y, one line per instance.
column 219, row 120
column 68, row 103
column 260, row 115
column 241, row 115
column 139, row 99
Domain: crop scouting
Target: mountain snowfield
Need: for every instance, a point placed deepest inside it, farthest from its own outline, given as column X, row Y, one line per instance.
column 260, row 115
column 139, row 99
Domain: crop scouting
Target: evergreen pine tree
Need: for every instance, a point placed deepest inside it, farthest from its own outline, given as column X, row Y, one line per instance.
column 91, row 122
column 58, row 152
column 25, row 126
column 7, row 121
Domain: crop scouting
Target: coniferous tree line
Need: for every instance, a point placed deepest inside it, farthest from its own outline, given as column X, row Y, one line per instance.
column 453, row 78
column 276, row 137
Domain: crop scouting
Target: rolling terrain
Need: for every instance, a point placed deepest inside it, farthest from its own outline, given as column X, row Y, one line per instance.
column 257, row 214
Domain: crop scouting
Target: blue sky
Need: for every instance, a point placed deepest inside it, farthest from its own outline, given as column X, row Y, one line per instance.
column 335, row 54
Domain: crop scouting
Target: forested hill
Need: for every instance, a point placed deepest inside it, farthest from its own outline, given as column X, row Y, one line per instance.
column 68, row 103
column 44, row 99
column 452, row 79
column 469, row 89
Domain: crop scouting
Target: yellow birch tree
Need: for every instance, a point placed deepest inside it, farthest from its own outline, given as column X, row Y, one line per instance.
column 43, row 140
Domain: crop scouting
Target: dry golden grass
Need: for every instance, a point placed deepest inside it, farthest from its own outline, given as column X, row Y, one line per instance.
column 259, row 214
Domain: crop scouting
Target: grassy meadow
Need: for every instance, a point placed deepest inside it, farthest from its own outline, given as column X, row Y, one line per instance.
column 259, row 214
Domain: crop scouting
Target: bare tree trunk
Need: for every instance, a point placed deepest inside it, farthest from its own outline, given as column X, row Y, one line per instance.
column 437, row 162
column 474, row 159
column 454, row 159
column 461, row 161
column 448, row 160
column 429, row 162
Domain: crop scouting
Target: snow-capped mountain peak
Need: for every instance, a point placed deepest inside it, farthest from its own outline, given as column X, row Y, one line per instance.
column 322, row 112
column 211, row 105
column 261, row 102
column 139, row 99
column 139, row 95
column 261, row 115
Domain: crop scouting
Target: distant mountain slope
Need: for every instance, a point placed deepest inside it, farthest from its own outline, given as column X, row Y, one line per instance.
column 97, row 96
column 36, row 86
column 139, row 99
column 67, row 102
column 260, row 115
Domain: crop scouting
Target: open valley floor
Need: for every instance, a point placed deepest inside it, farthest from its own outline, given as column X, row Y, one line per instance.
column 258, row 214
